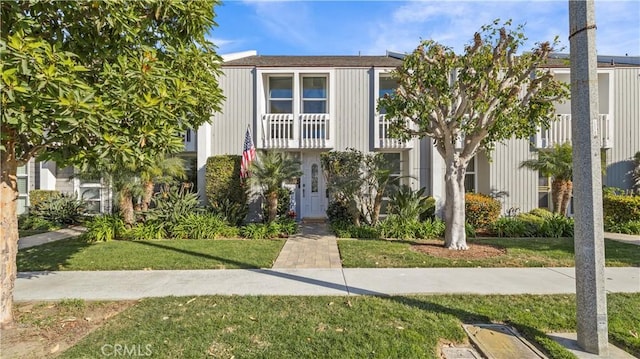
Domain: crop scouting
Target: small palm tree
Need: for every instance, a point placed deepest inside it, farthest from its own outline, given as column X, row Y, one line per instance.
column 164, row 170
column 268, row 171
column 557, row 163
column 636, row 171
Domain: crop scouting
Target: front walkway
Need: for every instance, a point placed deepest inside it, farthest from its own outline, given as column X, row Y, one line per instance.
column 624, row 238
column 314, row 247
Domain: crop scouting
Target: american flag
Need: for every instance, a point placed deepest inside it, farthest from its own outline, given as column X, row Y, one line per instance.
column 248, row 155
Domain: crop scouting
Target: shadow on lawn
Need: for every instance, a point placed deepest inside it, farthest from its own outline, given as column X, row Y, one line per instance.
column 49, row 256
column 240, row 265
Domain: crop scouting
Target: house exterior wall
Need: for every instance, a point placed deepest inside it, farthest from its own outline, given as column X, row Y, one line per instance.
column 626, row 128
column 518, row 186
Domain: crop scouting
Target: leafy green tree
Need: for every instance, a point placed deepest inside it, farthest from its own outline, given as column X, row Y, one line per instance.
column 556, row 162
column 359, row 182
column 97, row 84
column 269, row 171
column 467, row 102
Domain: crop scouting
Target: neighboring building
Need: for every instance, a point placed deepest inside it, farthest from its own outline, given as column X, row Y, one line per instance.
column 306, row 105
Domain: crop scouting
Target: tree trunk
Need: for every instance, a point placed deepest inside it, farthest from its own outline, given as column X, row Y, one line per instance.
column 566, row 197
column 272, row 206
column 557, row 194
column 377, row 206
column 8, row 236
column 455, row 236
column 126, row 207
column 146, row 197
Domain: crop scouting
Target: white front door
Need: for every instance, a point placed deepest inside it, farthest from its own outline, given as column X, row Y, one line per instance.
column 313, row 190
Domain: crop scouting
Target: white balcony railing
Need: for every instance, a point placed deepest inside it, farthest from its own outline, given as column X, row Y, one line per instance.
column 560, row 131
column 281, row 131
column 382, row 136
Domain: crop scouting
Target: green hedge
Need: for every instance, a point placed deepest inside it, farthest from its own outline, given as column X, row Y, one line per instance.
column 38, row 196
column 222, row 176
column 620, row 208
column 481, row 210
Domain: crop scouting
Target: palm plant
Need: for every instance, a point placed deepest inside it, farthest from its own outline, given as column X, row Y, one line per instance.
column 268, row 171
column 636, row 171
column 164, row 170
column 557, row 163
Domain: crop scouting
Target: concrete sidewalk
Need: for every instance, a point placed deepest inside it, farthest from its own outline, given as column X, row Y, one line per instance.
column 42, row 238
column 121, row 285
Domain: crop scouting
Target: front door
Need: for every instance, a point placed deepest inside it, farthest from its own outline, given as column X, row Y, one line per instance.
column 314, row 194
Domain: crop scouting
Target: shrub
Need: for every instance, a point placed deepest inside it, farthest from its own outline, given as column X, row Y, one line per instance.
column 532, row 224
column 232, row 212
column 631, row 227
column 27, row 221
column 430, row 228
column 338, row 212
column 556, row 226
column 172, row 205
column 469, row 230
column 63, row 209
column 222, row 181
column 104, row 228
column 344, row 229
column 481, row 210
column 509, row 227
column 410, row 204
column 146, row 231
column 541, row 212
column 203, row 226
column 288, row 226
column 621, row 209
column 38, row 196
column 395, row 226
column 254, row 231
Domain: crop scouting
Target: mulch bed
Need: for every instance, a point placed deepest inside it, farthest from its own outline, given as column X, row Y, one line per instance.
column 475, row 251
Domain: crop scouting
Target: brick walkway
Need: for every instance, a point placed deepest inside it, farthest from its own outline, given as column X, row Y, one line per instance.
column 315, row 247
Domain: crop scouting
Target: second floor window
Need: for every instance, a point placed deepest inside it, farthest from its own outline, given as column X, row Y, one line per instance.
column 280, row 94
column 314, row 94
column 387, row 86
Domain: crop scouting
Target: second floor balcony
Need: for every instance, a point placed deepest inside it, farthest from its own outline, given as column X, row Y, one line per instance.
column 560, row 131
column 383, row 138
column 289, row 131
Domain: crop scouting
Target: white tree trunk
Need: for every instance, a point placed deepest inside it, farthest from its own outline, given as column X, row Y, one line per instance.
column 455, row 236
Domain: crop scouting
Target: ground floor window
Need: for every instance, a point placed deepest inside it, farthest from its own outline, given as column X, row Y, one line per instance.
column 544, row 192
column 23, row 189
column 470, row 178
column 90, row 191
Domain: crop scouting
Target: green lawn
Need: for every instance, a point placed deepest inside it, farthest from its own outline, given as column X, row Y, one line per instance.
column 521, row 252
column 340, row 327
column 76, row 254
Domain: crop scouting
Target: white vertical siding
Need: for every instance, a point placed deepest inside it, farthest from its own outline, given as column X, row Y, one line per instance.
column 520, row 186
column 354, row 108
column 238, row 111
column 626, row 128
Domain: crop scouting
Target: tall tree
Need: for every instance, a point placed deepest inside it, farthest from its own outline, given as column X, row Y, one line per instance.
column 468, row 102
column 97, row 84
column 269, row 171
column 556, row 162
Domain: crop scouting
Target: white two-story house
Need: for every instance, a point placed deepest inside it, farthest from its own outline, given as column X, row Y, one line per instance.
column 306, row 105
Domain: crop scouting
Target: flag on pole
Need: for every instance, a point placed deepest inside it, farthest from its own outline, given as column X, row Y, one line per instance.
column 248, row 155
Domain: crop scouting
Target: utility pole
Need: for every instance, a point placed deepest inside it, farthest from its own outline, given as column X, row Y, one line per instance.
column 591, row 299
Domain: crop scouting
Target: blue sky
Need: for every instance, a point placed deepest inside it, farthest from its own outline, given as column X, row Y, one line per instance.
column 371, row 27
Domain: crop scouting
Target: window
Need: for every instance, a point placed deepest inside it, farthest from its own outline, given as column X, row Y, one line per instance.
column 470, row 176
column 280, row 95
column 91, row 193
column 23, row 189
column 386, row 87
column 544, row 188
column 314, row 178
column 314, row 94
column 394, row 160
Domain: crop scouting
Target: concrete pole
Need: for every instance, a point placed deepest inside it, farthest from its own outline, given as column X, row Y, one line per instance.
column 591, row 299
